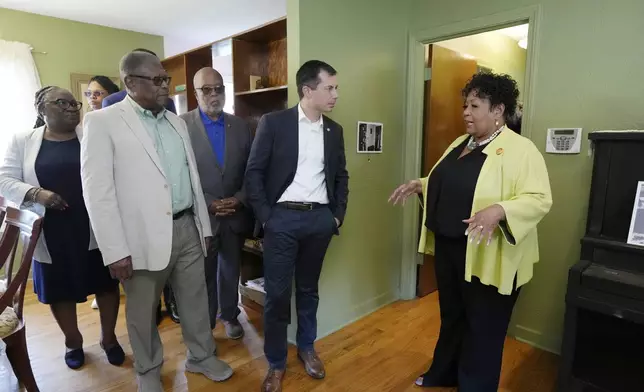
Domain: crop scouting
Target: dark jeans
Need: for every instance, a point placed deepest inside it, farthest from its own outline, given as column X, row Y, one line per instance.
column 474, row 323
column 295, row 243
column 222, row 275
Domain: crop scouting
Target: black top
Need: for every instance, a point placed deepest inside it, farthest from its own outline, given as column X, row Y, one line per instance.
column 450, row 191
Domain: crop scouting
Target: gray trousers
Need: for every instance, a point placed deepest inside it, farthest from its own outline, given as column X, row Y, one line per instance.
column 185, row 272
column 222, row 275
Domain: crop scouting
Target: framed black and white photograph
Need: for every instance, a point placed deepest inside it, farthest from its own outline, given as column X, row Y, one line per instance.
column 369, row 138
column 636, row 231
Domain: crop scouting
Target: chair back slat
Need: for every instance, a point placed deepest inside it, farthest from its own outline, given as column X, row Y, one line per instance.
column 3, row 212
column 22, row 230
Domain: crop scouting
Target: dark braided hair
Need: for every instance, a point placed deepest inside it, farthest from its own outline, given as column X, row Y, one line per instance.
column 106, row 83
column 39, row 104
column 498, row 89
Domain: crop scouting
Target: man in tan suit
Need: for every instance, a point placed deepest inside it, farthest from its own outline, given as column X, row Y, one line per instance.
column 150, row 219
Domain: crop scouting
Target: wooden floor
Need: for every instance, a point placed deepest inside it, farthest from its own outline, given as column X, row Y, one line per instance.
column 385, row 351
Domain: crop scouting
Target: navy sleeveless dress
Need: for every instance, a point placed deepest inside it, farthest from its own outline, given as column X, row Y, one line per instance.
column 75, row 271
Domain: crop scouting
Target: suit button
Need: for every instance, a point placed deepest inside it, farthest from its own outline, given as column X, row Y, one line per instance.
column 166, row 186
column 168, row 213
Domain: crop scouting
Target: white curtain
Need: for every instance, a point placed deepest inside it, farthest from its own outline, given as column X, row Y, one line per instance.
column 19, row 81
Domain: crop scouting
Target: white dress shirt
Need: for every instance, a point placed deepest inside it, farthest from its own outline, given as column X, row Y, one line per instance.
column 309, row 183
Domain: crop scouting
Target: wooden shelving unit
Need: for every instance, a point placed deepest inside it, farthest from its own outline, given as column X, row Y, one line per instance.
column 258, row 53
column 261, row 90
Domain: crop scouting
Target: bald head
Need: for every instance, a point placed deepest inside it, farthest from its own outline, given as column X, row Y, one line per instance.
column 207, row 76
column 210, row 91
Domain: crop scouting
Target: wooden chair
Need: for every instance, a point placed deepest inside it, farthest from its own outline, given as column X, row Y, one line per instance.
column 22, row 229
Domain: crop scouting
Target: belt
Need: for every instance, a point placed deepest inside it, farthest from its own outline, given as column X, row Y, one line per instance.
column 181, row 214
column 291, row 205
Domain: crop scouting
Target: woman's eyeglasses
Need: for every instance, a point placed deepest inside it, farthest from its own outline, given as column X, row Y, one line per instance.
column 95, row 94
column 69, row 106
column 207, row 90
column 157, row 80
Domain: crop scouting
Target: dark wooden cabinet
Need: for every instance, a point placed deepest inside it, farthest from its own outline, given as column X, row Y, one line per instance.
column 603, row 344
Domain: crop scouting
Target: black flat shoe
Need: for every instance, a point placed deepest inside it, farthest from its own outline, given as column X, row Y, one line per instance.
column 75, row 359
column 115, row 354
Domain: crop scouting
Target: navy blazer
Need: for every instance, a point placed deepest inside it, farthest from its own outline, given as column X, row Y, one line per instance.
column 273, row 161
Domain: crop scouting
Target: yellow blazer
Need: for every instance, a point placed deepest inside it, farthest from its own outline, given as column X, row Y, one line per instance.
column 514, row 176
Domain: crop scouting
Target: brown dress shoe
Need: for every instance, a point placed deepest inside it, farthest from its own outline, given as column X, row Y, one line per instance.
column 312, row 363
column 273, row 381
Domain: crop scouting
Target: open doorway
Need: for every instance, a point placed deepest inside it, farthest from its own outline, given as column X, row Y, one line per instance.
column 448, row 66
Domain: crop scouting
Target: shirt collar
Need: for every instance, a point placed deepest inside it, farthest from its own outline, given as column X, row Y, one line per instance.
column 209, row 121
column 144, row 112
column 302, row 117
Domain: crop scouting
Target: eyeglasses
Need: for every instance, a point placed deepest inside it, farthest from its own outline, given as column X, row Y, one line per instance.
column 207, row 90
column 94, row 94
column 157, row 80
column 68, row 106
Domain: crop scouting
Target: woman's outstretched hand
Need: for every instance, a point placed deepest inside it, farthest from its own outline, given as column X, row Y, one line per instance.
column 402, row 193
column 482, row 225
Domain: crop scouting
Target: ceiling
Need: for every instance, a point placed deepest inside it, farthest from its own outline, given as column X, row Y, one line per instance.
column 517, row 33
column 184, row 24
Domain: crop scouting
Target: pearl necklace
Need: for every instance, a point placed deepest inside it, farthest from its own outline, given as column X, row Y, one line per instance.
column 473, row 144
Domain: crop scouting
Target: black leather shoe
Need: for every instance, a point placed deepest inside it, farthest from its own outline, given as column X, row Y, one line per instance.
column 173, row 311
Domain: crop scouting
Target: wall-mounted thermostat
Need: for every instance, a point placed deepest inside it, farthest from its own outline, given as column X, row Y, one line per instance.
column 563, row 141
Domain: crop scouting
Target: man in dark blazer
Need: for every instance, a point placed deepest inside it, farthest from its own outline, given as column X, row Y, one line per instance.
column 297, row 184
column 221, row 143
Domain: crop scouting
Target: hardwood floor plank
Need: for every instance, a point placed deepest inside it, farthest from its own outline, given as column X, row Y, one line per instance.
column 384, row 351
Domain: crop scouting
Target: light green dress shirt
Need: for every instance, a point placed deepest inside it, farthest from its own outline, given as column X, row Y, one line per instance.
column 172, row 153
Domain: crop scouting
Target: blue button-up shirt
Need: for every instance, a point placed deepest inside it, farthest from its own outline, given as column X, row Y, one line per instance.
column 216, row 132
column 169, row 145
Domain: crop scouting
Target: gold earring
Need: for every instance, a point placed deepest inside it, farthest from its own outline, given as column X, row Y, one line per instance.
column 496, row 123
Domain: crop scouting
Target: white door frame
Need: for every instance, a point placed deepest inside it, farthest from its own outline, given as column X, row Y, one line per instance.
column 413, row 122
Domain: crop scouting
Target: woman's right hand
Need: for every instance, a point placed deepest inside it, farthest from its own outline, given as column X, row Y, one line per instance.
column 403, row 192
column 51, row 200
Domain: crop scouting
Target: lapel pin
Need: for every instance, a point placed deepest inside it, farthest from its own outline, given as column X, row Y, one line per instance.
column 499, row 151
column 328, row 129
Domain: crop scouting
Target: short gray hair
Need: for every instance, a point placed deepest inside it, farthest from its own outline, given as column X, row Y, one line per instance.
column 133, row 62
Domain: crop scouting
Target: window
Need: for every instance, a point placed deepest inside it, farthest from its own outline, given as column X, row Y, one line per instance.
column 20, row 81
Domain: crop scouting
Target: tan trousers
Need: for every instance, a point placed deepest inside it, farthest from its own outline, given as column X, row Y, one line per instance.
column 187, row 278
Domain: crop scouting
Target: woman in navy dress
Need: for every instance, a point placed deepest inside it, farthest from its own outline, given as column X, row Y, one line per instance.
column 41, row 171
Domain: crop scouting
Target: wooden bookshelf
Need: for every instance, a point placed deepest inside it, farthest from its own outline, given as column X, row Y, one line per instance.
column 259, row 53
column 261, row 90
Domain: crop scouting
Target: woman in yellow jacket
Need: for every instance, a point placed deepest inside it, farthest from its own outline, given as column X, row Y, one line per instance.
column 482, row 203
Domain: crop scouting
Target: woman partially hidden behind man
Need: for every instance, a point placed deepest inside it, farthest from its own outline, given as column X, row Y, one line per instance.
column 482, row 203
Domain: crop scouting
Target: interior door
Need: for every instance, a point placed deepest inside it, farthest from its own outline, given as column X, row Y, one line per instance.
column 442, row 123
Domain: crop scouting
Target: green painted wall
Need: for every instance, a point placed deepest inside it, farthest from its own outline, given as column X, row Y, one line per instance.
column 361, row 270
column 589, row 69
column 72, row 47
